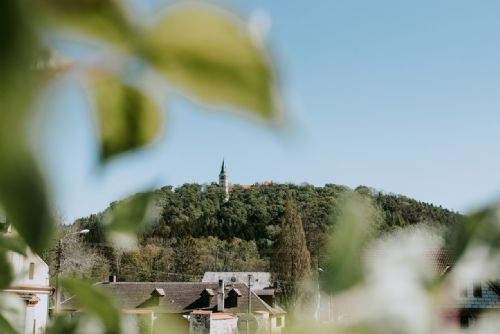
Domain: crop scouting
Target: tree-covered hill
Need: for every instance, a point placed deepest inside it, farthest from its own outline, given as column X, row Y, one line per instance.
column 240, row 234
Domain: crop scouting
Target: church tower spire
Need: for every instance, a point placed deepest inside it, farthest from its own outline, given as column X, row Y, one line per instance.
column 223, row 180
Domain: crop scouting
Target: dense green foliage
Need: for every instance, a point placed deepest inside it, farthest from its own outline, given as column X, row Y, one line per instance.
column 242, row 233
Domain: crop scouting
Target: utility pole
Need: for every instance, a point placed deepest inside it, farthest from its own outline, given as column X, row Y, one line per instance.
column 59, row 258
column 249, row 300
column 249, row 293
column 317, row 313
column 58, row 272
column 247, row 323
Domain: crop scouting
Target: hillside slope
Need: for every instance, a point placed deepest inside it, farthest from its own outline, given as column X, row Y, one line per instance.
column 193, row 220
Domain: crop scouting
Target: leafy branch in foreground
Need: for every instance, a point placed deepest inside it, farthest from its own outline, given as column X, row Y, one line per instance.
column 214, row 60
column 202, row 51
column 96, row 302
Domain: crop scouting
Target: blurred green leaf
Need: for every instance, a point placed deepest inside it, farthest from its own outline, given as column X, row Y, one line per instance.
column 210, row 54
column 103, row 19
column 22, row 188
column 129, row 215
column 127, row 118
column 63, row 325
column 333, row 327
column 167, row 325
column 355, row 226
column 6, row 276
column 24, row 197
column 481, row 227
column 17, row 42
column 6, row 327
column 12, row 244
column 96, row 302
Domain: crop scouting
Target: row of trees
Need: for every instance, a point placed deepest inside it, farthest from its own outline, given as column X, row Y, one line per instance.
column 155, row 259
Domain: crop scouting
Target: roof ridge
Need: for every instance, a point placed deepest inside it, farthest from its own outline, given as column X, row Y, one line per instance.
column 122, row 282
column 270, row 309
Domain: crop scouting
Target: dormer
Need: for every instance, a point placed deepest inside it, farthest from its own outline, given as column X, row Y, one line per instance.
column 235, row 291
column 154, row 300
column 232, row 298
column 158, row 293
column 208, row 292
column 206, row 297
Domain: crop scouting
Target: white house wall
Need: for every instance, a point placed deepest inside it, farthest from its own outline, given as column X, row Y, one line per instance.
column 33, row 291
column 226, row 326
column 21, row 267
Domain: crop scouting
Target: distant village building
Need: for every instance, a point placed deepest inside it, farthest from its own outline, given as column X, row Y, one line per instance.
column 471, row 301
column 476, row 299
column 260, row 282
column 261, row 285
column 31, row 285
column 203, row 307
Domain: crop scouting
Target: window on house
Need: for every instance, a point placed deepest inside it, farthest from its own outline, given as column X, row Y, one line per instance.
column 278, row 321
column 3, row 223
column 464, row 321
column 477, row 291
column 31, row 273
column 467, row 321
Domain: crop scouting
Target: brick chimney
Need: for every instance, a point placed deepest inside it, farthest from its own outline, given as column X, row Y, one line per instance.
column 220, row 296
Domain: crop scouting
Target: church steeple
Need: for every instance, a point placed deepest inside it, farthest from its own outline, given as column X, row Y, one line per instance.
column 223, row 168
column 223, row 181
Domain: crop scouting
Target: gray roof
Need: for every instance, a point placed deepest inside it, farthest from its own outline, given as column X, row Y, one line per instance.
column 179, row 297
column 490, row 299
column 260, row 280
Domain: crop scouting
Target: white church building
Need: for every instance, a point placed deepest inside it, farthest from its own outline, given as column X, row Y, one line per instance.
column 28, row 295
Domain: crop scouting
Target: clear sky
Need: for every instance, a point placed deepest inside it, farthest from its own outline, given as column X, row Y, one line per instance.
column 402, row 96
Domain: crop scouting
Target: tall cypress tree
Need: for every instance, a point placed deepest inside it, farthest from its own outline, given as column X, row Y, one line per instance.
column 291, row 263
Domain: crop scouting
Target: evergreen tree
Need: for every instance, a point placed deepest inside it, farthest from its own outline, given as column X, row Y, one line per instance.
column 291, row 263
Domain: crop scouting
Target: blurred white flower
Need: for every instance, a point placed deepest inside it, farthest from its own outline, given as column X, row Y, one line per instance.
column 398, row 268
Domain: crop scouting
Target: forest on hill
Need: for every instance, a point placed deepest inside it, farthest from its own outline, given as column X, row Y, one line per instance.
column 193, row 229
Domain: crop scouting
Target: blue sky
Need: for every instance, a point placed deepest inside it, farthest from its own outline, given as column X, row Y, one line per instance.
column 402, row 96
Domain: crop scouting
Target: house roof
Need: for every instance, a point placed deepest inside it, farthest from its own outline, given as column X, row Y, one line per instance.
column 443, row 262
column 490, row 299
column 179, row 297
